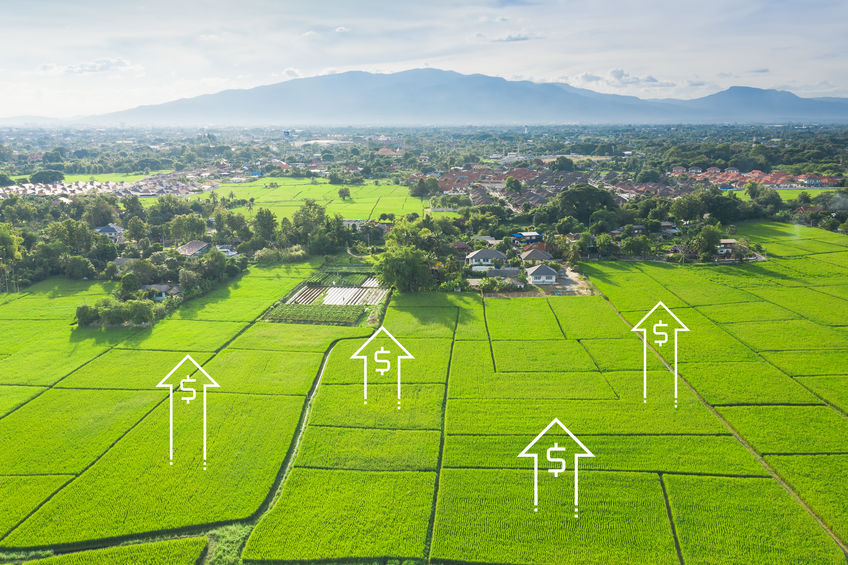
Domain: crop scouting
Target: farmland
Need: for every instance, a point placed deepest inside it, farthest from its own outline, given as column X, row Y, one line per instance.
column 746, row 465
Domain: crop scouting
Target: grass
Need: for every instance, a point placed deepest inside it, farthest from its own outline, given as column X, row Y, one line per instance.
column 832, row 389
column 372, row 450
column 747, row 312
column 183, row 551
column 264, row 372
column 349, row 514
column 789, row 334
column 798, row 363
column 420, row 322
column 815, row 306
column 343, row 405
column 185, row 335
column 14, row 396
column 744, row 382
column 521, row 318
column 729, row 520
column 790, row 429
column 540, row 356
column 294, row 337
column 487, row 516
column 692, row 454
column 248, row 438
column 49, row 435
column 583, row 317
column 430, row 364
column 129, row 369
column 21, row 495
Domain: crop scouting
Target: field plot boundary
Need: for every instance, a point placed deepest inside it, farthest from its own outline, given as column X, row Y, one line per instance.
column 759, row 457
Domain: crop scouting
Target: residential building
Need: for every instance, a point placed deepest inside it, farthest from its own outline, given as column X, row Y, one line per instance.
column 536, row 255
column 194, row 248
column 725, row 246
column 541, row 274
column 484, row 259
column 112, row 231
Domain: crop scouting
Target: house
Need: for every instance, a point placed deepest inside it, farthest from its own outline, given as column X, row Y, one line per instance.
column 462, row 247
column 162, row 291
column 536, row 255
column 541, row 274
column 695, row 170
column 725, row 246
column 487, row 239
column 526, row 236
column 803, row 209
column 731, row 170
column 194, row 248
column 638, row 229
column 112, row 231
column 678, row 169
column 713, row 170
column 669, row 229
column 484, row 259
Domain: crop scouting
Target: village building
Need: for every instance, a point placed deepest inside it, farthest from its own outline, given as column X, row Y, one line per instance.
column 484, row 259
column 194, row 248
column 541, row 274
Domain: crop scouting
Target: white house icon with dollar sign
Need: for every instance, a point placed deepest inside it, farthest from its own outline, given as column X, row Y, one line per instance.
column 381, row 360
column 188, row 387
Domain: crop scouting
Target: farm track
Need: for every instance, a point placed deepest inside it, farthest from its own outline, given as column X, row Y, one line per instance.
column 758, row 456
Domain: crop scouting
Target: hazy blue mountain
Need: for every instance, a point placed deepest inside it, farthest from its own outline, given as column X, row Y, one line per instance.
column 437, row 97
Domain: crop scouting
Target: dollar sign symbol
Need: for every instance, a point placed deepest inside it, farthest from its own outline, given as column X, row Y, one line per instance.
column 664, row 335
column 387, row 363
column 555, row 459
column 193, row 392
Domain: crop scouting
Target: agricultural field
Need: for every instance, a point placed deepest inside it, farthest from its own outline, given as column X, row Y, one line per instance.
column 366, row 202
column 314, row 455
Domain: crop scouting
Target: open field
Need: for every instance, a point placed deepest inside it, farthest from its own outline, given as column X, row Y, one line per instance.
column 736, row 470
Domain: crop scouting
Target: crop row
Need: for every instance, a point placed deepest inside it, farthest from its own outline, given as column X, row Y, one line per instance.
column 316, row 313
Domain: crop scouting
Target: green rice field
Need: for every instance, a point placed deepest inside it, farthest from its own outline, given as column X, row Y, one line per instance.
column 744, row 463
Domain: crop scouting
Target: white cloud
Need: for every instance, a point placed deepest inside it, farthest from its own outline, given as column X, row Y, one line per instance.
column 341, row 29
column 89, row 67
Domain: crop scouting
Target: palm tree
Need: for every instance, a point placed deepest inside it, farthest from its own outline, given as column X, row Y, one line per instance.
column 250, row 205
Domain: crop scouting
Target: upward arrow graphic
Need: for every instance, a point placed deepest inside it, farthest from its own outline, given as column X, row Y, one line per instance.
column 671, row 322
column 208, row 382
column 526, row 452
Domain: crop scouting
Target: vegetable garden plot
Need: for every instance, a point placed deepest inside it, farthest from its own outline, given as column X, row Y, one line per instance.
column 584, row 317
column 487, row 516
column 294, row 337
column 832, row 389
column 734, row 382
column 815, row 306
column 820, row 481
column 521, row 318
column 759, row 311
column 248, row 438
column 798, row 363
column 21, row 495
column 530, row 356
column 343, row 405
column 184, row 335
column 129, row 369
column 790, row 429
column 368, row 449
column 62, row 431
column 731, row 520
column 722, row 455
column 429, row 366
column 350, row 296
column 420, row 322
column 789, row 334
column 627, row 287
column 347, row 514
column 315, row 314
column 183, row 551
column 264, row 372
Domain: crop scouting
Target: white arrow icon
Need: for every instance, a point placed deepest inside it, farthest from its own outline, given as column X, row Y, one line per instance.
column 359, row 355
column 526, row 453
column 165, row 384
column 640, row 328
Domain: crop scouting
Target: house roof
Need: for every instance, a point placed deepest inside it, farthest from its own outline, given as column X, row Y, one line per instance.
column 536, row 255
column 727, row 241
column 192, row 247
column 541, row 271
column 486, row 254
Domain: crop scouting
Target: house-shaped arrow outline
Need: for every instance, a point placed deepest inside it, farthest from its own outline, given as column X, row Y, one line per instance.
column 164, row 384
column 526, row 453
column 638, row 328
column 357, row 355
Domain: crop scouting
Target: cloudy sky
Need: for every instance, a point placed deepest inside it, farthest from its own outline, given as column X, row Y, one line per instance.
column 66, row 58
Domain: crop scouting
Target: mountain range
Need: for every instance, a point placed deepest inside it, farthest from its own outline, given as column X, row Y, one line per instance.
column 432, row 97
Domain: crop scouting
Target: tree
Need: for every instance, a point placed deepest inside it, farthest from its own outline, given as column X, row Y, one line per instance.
column 130, row 283
column 136, row 229
column 753, row 189
column 404, row 267
column 214, row 265
column 47, row 176
column 708, row 239
column 562, row 164
column 78, row 267
column 6, row 180
column 512, row 185
column 264, row 224
column 605, row 245
column 344, row 193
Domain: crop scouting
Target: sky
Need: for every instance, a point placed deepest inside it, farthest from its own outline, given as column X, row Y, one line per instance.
column 65, row 58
